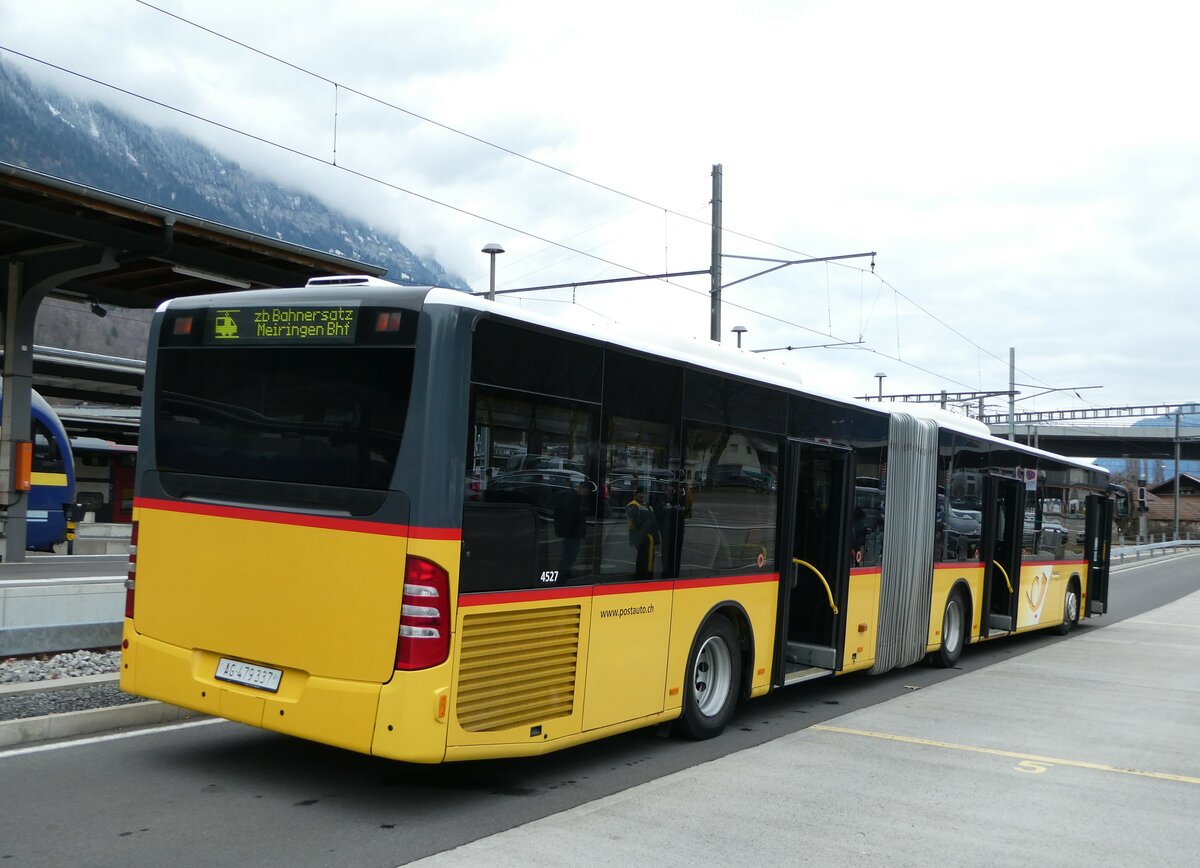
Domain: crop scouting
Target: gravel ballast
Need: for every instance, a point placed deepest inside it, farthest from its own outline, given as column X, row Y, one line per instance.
column 59, row 683
column 51, row 667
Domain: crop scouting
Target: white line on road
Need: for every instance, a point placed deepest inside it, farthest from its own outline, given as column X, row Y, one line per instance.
column 81, row 742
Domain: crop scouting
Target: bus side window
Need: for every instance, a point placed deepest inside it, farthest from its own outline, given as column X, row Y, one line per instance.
column 46, row 455
column 529, row 501
column 732, row 501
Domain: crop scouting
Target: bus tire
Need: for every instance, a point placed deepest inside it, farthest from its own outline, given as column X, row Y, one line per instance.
column 954, row 631
column 712, row 681
column 1070, row 609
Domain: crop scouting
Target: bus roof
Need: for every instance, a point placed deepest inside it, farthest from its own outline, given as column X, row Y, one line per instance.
column 731, row 360
column 701, row 352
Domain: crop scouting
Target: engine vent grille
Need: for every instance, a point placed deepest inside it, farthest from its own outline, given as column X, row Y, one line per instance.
column 517, row 667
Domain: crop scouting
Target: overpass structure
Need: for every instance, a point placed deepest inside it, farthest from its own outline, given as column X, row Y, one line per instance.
column 1150, row 442
column 1081, row 432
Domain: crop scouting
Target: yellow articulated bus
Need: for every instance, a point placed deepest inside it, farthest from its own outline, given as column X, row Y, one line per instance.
column 420, row 525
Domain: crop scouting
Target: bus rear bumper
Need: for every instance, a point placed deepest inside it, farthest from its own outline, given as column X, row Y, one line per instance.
column 337, row 712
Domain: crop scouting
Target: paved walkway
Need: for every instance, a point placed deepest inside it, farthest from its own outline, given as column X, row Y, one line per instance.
column 1082, row 752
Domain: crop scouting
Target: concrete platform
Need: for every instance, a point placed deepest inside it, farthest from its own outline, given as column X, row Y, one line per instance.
column 49, row 614
column 1082, row 752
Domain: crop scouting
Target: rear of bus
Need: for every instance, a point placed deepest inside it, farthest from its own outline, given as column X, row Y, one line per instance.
column 281, row 575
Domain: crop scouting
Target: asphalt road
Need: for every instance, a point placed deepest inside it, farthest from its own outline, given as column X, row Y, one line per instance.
column 222, row 794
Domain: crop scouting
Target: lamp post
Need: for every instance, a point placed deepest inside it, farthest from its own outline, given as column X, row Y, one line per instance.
column 880, row 377
column 739, row 331
column 491, row 249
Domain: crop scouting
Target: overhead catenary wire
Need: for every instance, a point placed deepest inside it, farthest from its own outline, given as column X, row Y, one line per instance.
column 517, row 154
column 312, row 157
column 364, row 176
column 339, row 86
column 478, row 139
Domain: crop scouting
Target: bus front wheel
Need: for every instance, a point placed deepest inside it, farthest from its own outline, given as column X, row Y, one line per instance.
column 713, row 680
column 1070, row 610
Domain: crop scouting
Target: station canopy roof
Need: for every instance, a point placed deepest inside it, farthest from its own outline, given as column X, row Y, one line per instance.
column 160, row 253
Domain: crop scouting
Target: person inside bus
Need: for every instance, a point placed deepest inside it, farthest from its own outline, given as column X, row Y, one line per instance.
column 570, row 523
column 643, row 534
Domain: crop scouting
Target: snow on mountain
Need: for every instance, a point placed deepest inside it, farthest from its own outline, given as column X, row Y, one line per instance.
column 89, row 143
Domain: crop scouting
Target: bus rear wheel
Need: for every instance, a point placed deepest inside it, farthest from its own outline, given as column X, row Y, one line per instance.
column 954, row 631
column 1070, row 610
column 712, row 681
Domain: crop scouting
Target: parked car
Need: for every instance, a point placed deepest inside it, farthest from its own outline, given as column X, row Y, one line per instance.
column 524, row 461
column 736, row 475
column 539, row 488
column 870, row 502
column 962, row 527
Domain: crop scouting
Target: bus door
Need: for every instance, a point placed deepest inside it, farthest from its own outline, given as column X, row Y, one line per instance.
column 816, row 555
column 1098, row 539
column 1003, row 518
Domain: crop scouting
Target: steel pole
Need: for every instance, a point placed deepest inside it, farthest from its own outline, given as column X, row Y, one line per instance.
column 715, row 291
column 1177, row 415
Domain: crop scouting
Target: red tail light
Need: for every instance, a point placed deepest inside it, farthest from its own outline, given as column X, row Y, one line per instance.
column 424, row 616
column 388, row 321
column 131, row 576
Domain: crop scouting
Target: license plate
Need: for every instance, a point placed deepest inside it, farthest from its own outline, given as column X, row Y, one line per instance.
column 259, row 677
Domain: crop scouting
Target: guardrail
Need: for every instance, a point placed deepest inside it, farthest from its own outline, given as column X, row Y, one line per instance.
column 1136, row 552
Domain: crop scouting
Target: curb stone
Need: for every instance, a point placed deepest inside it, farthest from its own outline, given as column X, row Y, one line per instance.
column 93, row 720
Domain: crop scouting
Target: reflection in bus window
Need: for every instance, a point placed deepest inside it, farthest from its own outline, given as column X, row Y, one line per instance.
column 530, row 496
column 642, row 525
column 959, row 511
column 866, row 527
column 309, row 415
column 731, row 489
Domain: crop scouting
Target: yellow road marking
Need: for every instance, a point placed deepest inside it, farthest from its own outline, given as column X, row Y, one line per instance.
column 1028, row 762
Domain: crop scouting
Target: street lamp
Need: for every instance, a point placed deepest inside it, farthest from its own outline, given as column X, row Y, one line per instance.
column 880, row 377
column 491, row 249
column 739, row 331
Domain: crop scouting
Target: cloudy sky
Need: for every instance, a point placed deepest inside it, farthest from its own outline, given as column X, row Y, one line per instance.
column 1028, row 173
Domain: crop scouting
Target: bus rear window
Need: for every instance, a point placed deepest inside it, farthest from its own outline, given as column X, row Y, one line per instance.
column 310, row 415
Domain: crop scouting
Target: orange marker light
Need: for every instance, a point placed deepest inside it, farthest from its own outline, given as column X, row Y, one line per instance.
column 23, row 465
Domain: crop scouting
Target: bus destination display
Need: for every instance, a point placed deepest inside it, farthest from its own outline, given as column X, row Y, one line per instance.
column 290, row 324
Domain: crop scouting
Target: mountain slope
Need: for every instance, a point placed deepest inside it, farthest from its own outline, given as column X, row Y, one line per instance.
column 51, row 132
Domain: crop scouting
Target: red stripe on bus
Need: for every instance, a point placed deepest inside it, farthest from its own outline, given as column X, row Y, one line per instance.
column 495, row 598
column 295, row 519
column 631, row 588
column 717, row 581
column 865, row 571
